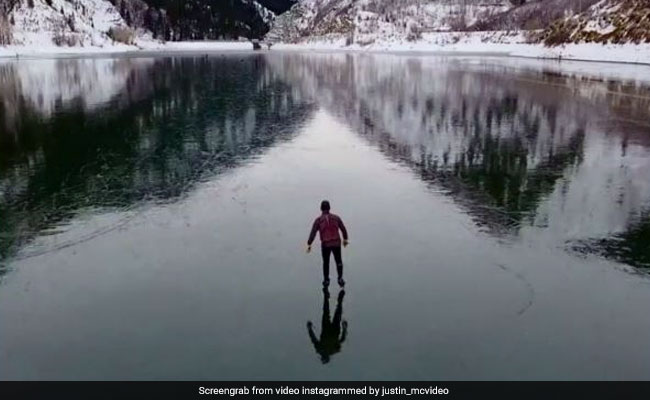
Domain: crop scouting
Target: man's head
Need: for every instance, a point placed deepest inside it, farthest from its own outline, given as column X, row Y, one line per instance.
column 325, row 206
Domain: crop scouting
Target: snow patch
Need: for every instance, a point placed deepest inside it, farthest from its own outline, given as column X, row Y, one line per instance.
column 68, row 22
column 514, row 44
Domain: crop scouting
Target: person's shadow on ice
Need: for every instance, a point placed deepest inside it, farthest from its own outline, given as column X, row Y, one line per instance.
column 333, row 333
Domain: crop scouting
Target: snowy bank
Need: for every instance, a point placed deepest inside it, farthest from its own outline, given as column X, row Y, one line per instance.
column 485, row 43
column 46, row 28
column 466, row 43
column 117, row 48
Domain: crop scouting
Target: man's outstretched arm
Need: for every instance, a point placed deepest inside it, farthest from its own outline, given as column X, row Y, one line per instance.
column 343, row 230
column 312, row 234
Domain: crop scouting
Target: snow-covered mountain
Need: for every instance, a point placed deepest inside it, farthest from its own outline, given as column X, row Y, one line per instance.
column 364, row 21
column 533, row 15
column 99, row 23
column 102, row 23
column 64, row 22
column 606, row 21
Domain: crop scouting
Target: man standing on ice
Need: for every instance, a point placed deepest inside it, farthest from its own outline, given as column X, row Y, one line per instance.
column 328, row 225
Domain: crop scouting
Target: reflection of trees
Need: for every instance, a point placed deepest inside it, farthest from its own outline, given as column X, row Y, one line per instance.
column 521, row 156
column 497, row 147
column 506, row 182
column 631, row 247
column 508, row 145
column 176, row 123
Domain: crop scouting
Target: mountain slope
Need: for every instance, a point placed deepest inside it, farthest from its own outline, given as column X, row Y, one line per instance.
column 607, row 21
column 63, row 22
column 202, row 19
column 364, row 21
column 531, row 15
column 199, row 19
column 101, row 22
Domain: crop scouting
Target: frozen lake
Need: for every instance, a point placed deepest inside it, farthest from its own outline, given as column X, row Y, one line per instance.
column 154, row 213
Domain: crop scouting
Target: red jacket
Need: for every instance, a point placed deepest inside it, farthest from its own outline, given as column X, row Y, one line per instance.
column 328, row 226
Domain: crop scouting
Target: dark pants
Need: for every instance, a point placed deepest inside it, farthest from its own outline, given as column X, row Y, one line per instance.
column 327, row 251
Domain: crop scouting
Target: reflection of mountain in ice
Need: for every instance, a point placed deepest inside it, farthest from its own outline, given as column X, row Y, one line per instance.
column 436, row 107
column 606, row 194
column 526, row 151
column 52, row 83
column 170, row 123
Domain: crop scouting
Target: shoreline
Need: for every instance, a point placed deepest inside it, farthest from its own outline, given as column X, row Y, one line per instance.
column 497, row 43
column 35, row 52
column 469, row 45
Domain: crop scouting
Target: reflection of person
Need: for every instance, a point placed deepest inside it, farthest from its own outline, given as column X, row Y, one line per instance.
column 328, row 225
column 331, row 337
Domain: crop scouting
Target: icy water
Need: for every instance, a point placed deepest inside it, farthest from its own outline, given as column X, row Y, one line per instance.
column 154, row 213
